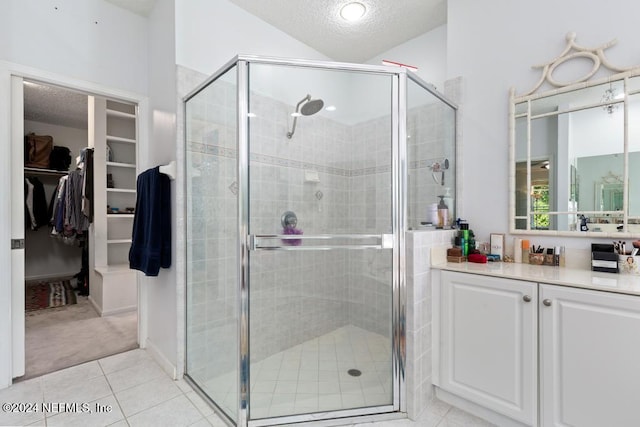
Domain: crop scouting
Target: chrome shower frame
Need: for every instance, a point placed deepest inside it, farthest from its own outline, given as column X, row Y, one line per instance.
column 399, row 173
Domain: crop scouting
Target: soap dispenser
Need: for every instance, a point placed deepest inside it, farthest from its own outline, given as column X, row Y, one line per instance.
column 443, row 213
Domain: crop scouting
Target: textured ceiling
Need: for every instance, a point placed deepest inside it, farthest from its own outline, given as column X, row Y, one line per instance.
column 317, row 23
column 55, row 105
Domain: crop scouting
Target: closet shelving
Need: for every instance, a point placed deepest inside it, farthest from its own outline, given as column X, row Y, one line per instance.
column 121, row 141
column 116, row 136
column 44, row 172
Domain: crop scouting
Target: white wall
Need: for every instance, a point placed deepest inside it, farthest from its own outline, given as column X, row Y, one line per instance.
column 209, row 33
column 161, row 292
column 69, row 42
column 496, row 52
column 66, row 47
column 428, row 52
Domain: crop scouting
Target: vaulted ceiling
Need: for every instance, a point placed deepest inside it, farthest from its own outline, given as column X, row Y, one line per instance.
column 318, row 24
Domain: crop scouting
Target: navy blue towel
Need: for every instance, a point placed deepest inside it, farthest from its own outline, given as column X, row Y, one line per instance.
column 151, row 240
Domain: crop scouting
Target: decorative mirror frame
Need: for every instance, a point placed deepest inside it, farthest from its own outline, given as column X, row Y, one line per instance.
column 571, row 51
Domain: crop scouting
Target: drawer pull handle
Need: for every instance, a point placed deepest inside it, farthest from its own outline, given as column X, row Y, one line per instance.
column 547, row 302
column 526, row 298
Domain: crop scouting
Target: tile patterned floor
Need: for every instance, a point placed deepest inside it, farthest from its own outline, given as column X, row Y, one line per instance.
column 138, row 393
column 313, row 376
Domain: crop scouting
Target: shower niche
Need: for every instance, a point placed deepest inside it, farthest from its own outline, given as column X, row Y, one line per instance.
column 300, row 179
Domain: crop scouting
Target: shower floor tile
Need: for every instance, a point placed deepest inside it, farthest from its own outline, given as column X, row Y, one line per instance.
column 313, row 376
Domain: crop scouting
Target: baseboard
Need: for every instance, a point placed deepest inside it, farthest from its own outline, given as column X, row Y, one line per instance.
column 159, row 357
column 477, row 410
column 119, row 310
column 49, row 276
column 105, row 313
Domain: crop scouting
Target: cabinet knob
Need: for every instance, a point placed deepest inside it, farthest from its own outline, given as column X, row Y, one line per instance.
column 546, row 302
column 526, row 298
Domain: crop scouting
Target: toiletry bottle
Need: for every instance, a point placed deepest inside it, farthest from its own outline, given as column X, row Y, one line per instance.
column 562, row 257
column 517, row 249
column 464, row 240
column 443, row 213
column 432, row 214
column 448, row 200
column 525, row 251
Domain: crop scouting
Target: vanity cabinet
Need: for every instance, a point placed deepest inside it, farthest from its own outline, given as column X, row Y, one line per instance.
column 589, row 358
column 488, row 348
column 488, row 342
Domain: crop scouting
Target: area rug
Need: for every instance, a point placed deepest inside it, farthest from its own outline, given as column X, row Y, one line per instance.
column 48, row 294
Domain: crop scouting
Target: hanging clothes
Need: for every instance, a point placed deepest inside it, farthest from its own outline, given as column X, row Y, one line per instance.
column 87, row 186
column 30, row 218
column 73, row 202
column 68, row 220
column 35, row 204
column 151, row 239
column 57, row 209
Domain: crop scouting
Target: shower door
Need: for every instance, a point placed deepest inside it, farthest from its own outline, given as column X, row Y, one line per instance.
column 322, row 244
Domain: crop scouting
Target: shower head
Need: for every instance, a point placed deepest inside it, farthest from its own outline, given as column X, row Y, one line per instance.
column 310, row 107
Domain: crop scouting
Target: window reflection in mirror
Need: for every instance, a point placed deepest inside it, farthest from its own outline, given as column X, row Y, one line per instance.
column 634, row 157
column 579, row 139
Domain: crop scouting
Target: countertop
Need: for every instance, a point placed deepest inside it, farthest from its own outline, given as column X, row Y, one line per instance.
column 609, row 282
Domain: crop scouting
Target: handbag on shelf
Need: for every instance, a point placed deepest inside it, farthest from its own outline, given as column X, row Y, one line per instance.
column 60, row 158
column 37, row 149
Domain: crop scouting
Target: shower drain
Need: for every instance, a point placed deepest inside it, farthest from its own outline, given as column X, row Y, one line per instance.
column 354, row 372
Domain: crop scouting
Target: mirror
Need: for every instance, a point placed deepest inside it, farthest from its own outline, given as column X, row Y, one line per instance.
column 575, row 153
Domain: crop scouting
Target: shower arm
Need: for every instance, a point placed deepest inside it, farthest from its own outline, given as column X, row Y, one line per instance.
column 295, row 118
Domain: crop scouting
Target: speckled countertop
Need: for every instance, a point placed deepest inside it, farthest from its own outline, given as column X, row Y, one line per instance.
column 609, row 282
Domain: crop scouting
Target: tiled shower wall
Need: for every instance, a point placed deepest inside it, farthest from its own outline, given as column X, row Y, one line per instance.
column 211, row 219
column 431, row 139
column 295, row 296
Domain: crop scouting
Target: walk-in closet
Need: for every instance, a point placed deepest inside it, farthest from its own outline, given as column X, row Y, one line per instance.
column 79, row 178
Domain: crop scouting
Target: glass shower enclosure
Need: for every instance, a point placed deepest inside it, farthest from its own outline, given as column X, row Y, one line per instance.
column 296, row 206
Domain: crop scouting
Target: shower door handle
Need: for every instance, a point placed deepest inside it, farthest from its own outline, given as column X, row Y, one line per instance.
column 290, row 242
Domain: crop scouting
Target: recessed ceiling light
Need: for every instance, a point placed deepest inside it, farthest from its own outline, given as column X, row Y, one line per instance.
column 353, row 11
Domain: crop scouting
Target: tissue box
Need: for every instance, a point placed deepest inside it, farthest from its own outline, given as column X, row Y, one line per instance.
column 628, row 264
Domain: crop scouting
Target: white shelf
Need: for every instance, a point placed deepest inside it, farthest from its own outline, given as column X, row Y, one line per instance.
column 116, row 113
column 121, row 165
column 111, row 138
column 113, row 268
column 120, row 190
column 40, row 171
column 118, row 241
column 120, row 215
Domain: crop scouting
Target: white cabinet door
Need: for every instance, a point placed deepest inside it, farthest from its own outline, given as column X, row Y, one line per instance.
column 488, row 343
column 590, row 358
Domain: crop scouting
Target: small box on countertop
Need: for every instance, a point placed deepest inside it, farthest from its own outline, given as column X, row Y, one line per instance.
column 603, row 258
column 536, row 259
column 628, row 264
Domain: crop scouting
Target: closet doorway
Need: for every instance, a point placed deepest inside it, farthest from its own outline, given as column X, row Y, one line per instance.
column 74, row 298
